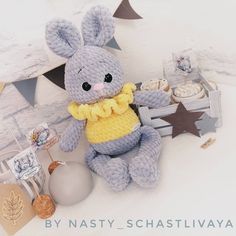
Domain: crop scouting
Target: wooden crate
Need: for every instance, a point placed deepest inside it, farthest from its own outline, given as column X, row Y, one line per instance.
column 211, row 104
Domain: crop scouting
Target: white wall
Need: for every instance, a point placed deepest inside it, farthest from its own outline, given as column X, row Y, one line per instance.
column 167, row 26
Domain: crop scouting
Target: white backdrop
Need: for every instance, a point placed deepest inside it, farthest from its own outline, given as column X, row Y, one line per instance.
column 167, row 25
column 194, row 183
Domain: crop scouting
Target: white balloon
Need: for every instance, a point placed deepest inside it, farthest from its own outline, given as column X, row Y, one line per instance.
column 70, row 183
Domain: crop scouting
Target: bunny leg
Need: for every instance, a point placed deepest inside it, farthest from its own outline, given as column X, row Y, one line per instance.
column 143, row 168
column 113, row 170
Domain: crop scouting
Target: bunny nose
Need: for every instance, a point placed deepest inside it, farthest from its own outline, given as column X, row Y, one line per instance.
column 98, row 86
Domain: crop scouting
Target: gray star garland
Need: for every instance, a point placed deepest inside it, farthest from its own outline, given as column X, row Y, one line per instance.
column 206, row 124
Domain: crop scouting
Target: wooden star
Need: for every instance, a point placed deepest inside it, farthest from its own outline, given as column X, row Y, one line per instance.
column 183, row 121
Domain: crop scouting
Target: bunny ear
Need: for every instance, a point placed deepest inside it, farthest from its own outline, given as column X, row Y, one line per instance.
column 62, row 37
column 98, row 26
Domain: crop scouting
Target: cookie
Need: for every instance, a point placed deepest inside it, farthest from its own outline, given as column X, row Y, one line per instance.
column 53, row 166
column 188, row 92
column 44, row 206
column 159, row 84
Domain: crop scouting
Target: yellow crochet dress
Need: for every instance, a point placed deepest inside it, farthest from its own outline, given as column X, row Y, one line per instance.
column 109, row 119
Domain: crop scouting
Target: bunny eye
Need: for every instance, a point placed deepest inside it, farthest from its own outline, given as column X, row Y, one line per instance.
column 86, row 86
column 108, row 78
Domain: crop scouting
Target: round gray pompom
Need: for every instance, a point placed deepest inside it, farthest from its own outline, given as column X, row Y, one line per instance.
column 70, row 183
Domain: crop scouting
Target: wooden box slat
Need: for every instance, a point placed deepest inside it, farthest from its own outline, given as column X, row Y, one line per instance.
column 194, row 105
column 165, row 131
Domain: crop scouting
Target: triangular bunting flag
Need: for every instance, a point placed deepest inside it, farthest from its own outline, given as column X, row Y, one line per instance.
column 57, row 76
column 27, row 89
column 113, row 44
column 125, row 11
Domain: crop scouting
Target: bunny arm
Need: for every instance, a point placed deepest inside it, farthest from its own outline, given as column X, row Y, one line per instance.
column 70, row 138
column 153, row 99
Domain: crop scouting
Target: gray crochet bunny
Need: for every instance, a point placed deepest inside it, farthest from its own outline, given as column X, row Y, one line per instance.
column 95, row 83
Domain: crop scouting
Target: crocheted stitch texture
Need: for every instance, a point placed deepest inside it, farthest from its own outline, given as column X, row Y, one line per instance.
column 91, row 75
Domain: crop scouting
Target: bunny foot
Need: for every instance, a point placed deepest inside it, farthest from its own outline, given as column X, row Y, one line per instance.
column 144, row 171
column 116, row 174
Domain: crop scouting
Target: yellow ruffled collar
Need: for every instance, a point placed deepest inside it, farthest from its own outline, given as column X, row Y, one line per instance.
column 102, row 109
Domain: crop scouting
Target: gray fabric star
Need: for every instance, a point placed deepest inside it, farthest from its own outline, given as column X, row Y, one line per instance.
column 206, row 124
